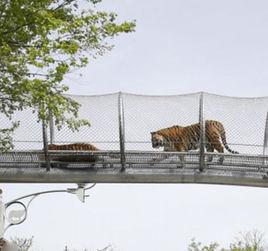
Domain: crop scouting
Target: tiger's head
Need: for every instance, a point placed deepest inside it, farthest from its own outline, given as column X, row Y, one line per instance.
column 157, row 140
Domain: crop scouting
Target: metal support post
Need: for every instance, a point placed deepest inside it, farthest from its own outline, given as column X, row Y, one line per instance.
column 121, row 131
column 45, row 144
column 202, row 133
column 265, row 140
column 51, row 128
column 5, row 245
column 2, row 215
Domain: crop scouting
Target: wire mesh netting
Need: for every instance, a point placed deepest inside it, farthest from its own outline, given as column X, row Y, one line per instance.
column 28, row 136
column 146, row 114
column 121, row 126
column 244, row 120
column 102, row 113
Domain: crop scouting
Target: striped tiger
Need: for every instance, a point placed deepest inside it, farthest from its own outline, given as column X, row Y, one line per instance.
column 72, row 147
column 184, row 139
column 92, row 158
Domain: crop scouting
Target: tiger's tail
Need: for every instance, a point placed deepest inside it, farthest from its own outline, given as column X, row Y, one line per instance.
column 223, row 138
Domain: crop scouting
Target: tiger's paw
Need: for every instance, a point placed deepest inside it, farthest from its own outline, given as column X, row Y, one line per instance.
column 220, row 161
column 180, row 165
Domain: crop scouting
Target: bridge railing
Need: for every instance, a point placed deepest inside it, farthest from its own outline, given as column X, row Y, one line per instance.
column 122, row 123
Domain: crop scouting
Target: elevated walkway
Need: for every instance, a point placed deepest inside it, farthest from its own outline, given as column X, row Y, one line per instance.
column 121, row 129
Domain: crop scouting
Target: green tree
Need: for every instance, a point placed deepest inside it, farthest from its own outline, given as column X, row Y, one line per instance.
column 40, row 42
column 23, row 244
column 197, row 246
column 250, row 241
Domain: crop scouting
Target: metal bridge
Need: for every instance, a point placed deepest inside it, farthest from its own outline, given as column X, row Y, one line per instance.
column 120, row 127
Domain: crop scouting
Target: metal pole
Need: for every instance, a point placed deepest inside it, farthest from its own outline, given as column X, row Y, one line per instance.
column 51, row 128
column 202, row 133
column 45, row 144
column 121, row 131
column 4, row 244
column 265, row 141
column 2, row 215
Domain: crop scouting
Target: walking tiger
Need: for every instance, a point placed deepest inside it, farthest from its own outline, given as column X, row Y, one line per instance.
column 184, row 139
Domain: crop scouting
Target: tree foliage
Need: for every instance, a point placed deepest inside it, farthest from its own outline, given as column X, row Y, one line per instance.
column 23, row 244
column 197, row 246
column 40, row 42
column 250, row 241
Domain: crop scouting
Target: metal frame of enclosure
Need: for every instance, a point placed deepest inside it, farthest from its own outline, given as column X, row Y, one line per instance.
column 121, row 126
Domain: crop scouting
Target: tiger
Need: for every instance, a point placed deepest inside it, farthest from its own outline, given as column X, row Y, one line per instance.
column 72, row 147
column 184, row 139
column 92, row 158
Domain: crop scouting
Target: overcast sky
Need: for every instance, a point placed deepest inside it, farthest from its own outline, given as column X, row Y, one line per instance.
column 178, row 47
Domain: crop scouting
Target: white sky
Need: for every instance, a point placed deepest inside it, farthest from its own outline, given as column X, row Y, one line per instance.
column 178, row 47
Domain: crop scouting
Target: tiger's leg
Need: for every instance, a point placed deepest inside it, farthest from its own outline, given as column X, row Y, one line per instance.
column 182, row 157
column 176, row 148
column 210, row 149
column 182, row 162
column 219, row 147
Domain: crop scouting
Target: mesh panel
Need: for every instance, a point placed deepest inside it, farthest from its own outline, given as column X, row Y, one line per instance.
column 102, row 112
column 145, row 114
column 244, row 120
column 28, row 136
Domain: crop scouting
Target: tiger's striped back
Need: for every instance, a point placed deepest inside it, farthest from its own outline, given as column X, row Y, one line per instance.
column 72, row 147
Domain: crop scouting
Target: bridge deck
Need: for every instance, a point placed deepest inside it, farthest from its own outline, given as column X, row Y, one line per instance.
column 140, row 167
